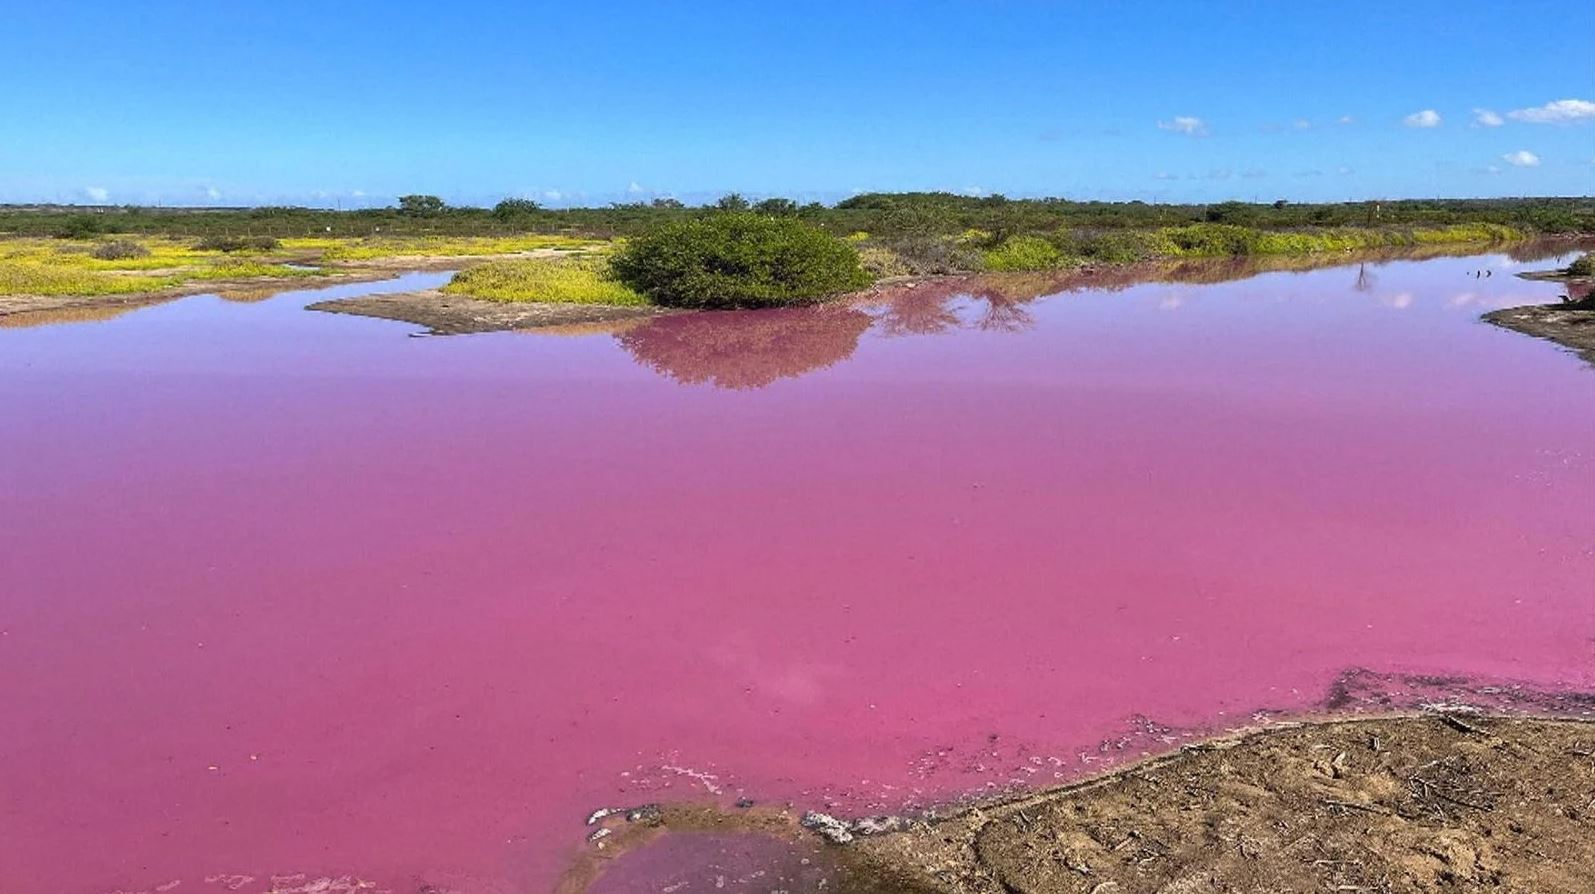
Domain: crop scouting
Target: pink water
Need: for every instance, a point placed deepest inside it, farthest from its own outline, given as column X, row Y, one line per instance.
column 296, row 595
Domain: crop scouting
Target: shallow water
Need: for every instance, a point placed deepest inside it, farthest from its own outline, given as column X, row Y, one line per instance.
column 294, row 595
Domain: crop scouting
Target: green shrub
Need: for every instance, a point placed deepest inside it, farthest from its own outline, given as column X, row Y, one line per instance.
column 882, row 263
column 1584, row 266
column 80, row 226
column 236, row 243
column 737, row 259
column 925, row 255
column 1023, row 253
column 1117, row 246
column 571, row 280
column 418, row 205
column 509, row 209
column 1212, row 240
column 119, row 250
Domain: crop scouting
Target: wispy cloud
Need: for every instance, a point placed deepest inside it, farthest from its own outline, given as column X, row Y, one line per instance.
column 635, row 188
column 1561, row 111
column 1254, row 173
column 1425, row 118
column 97, row 193
column 1189, row 125
column 1302, row 124
column 1486, row 118
column 1344, row 120
column 1522, row 159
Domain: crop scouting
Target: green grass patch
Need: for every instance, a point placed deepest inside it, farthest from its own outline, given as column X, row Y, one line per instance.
column 574, row 280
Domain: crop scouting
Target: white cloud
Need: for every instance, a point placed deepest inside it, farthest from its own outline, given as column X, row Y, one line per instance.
column 1254, row 173
column 1164, row 175
column 97, row 193
column 1302, row 124
column 1522, row 158
column 553, row 195
column 1345, row 171
column 1425, row 118
column 1486, row 118
column 212, row 193
column 1219, row 174
column 1343, row 120
column 1185, row 124
column 634, row 188
column 1561, row 111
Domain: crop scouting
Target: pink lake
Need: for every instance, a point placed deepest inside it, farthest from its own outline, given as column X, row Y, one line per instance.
column 296, row 602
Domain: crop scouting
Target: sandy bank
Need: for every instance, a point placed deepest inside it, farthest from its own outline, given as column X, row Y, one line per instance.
column 1394, row 804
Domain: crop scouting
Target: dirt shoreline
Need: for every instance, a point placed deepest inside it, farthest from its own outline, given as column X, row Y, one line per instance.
column 1438, row 800
column 441, row 313
column 1570, row 323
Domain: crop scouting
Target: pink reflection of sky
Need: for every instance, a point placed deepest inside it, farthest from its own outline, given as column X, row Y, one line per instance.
column 290, row 593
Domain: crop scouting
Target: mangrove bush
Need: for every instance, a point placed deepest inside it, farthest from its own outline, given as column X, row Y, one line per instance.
column 738, row 259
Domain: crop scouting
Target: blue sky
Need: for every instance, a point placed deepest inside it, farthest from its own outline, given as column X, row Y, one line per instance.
column 352, row 103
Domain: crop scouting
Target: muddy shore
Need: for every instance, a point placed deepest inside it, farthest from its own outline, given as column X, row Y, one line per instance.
column 1569, row 323
column 1435, row 801
column 445, row 314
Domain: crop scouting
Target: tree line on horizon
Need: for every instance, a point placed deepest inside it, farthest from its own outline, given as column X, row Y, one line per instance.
column 902, row 214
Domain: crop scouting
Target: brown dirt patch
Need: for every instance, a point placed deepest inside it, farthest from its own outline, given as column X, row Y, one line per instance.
column 1433, row 803
column 445, row 314
column 1571, row 325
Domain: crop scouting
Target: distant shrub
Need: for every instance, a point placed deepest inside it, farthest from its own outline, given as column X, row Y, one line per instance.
column 1212, row 240
column 1023, row 253
column 926, row 255
column 737, row 259
column 1239, row 213
column 1117, row 246
column 732, row 201
column 1584, row 266
column 882, row 263
column 236, row 243
column 81, row 226
column 513, row 208
column 420, row 205
column 575, row 280
column 119, row 250
column 777, row 207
